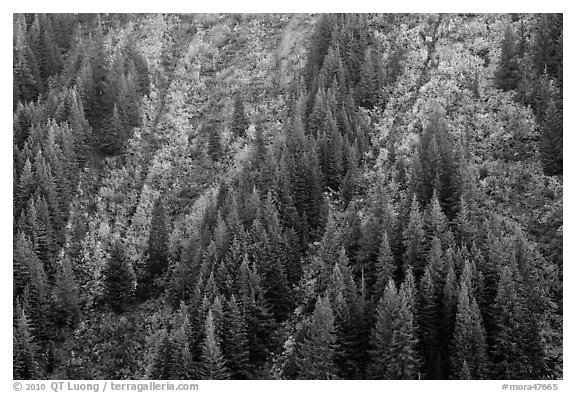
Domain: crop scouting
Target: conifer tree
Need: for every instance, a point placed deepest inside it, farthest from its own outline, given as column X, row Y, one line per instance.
column 235, row 344
column 405, row 361
column 506, row 75
column 385, row 267
column 214, row 143
column 157, row 261
column 159, row 364
column 393, row 339
column 118, row 278
column 240, row 122
column 25, row 364
column 212, row 365
column 551, row 138
column 381, row 336
column 509, row 310
column 414, row 240
column 30, row 284
column 315, row 355
column 181, row 362
column 67, row 295
column 468, row 357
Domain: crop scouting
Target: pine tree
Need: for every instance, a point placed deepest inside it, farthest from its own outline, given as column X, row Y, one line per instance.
column 26, row 187
column 437, row 223
column 212, row 365
column 393, row 339
column 405, row 361
column 30, row 285
column 181, row 362
column 414, row 240
column 385, row 267
column 235, row 345
column 468, row 357
column 25, row 364
column 214, row 143
column 159, row 363
column 551, row 138
column 118, row 278
column 381, row 336
column 67, row 295
column 240, row 122
column 506, row 76
column 509, row 311
column 315, row 355
column 157, row 262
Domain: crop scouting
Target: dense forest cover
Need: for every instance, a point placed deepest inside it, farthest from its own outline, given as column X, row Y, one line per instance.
column 287, row 196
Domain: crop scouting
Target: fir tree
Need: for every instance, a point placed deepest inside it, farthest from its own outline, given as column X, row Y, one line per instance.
column 157, row 262
column 240, row 122
column 468, row 357
column 25, row 364
column 414, row 240
column 118, row 279
column 385, row 267
column 315, row 358
column 506, row 75
column 235, row 343
column 159, row 364
column 67, row 295
column 509, row 310
column 212, row 364
column 381, row 336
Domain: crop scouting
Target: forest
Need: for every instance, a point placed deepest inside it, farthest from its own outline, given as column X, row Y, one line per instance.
column 287, row 196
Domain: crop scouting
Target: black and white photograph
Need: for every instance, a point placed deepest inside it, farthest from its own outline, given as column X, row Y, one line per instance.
column 287, row 196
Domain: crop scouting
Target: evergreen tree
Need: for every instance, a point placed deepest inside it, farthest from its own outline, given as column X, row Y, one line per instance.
column 506, row 76
column 315, row 355
column 468, row 357
column 240, row 122
column 67, row 295
column 509, row 310
column 385, row 267
column 212, row 365
column 181, row 362
column 25, row 364
column 381, row 336
column 159, row 364
column 214, row 143
column 157, row 261
column 551, row 138
column 414, row 240
column 118, row 278
column 235, row 343
column 394, row 353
